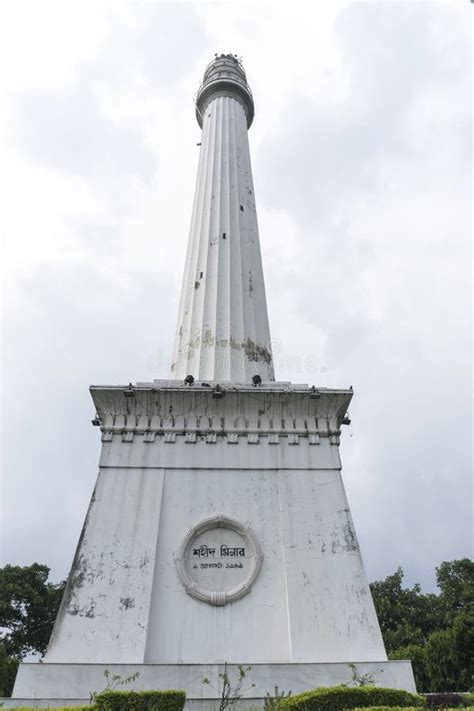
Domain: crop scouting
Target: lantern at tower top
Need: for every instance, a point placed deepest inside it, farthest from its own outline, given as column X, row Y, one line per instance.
column 225, row 76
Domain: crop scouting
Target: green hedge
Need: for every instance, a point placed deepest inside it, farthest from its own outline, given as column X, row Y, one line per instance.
column 140, row 701
column 449, row 700
column 340, row 698
column 400, row 708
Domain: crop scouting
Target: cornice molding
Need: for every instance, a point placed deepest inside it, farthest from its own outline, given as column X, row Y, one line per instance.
column 163, row 412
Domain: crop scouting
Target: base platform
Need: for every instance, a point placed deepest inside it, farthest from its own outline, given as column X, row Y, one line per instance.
column 69, row 684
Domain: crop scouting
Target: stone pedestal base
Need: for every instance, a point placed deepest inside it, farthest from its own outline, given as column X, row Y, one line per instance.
column 69, row 684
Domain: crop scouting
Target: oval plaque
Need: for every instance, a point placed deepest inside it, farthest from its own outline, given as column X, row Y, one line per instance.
column 218, row 560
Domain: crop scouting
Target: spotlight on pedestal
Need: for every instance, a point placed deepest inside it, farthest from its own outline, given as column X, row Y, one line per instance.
column 315, row 394
column 346, row 421
column 129, row 391
column 256, row 380
column 189, row 379
column 218, row 392
column 96, row 421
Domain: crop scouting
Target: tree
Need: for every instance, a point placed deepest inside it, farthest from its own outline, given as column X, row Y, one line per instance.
column 417, row 656
column 440, row 655
column 406, row 616
column 463, row 637
column 28, row 608
column 455, row 580
column 8, row 669
column 435, row 631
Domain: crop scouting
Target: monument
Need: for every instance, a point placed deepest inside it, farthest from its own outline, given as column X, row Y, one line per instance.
column 219, row 529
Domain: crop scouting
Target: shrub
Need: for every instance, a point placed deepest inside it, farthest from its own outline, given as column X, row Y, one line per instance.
column 340, row 698
column 140, row 700
column 272, row 702
column 396, row 708
column 450, row 699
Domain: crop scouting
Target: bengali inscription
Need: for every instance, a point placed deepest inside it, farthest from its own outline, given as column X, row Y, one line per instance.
column 218, row 560
column 205, row 551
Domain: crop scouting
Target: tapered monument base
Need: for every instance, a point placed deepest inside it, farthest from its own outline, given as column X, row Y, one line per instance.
column 69, row 684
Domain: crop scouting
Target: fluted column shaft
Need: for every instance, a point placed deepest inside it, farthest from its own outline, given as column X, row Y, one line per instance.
column 222, row 331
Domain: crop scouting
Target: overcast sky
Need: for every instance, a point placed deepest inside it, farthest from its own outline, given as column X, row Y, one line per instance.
column 362, row 160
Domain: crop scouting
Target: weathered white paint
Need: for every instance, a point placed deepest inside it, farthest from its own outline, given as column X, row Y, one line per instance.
column 290, row 615
column 105, row 610
column 222, row 331
column 279, row 475
column 76, row 681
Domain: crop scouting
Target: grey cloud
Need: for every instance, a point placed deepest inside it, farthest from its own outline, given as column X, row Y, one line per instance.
column 334, row 161
column 171, row 40
column 391, row 48
column 331, row 167
column 67, row 128
column 335, row 168
column 67, row 131
column 159, row 47
column 418, row 512
column 332, row 153
column 77, row 327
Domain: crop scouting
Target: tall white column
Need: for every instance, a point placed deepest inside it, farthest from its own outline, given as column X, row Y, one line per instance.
column 176, row 465
column 222, row 331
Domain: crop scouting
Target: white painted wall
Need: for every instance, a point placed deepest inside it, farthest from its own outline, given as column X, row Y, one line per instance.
column 76, row 681
column 311, row 601
column 266, row 457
